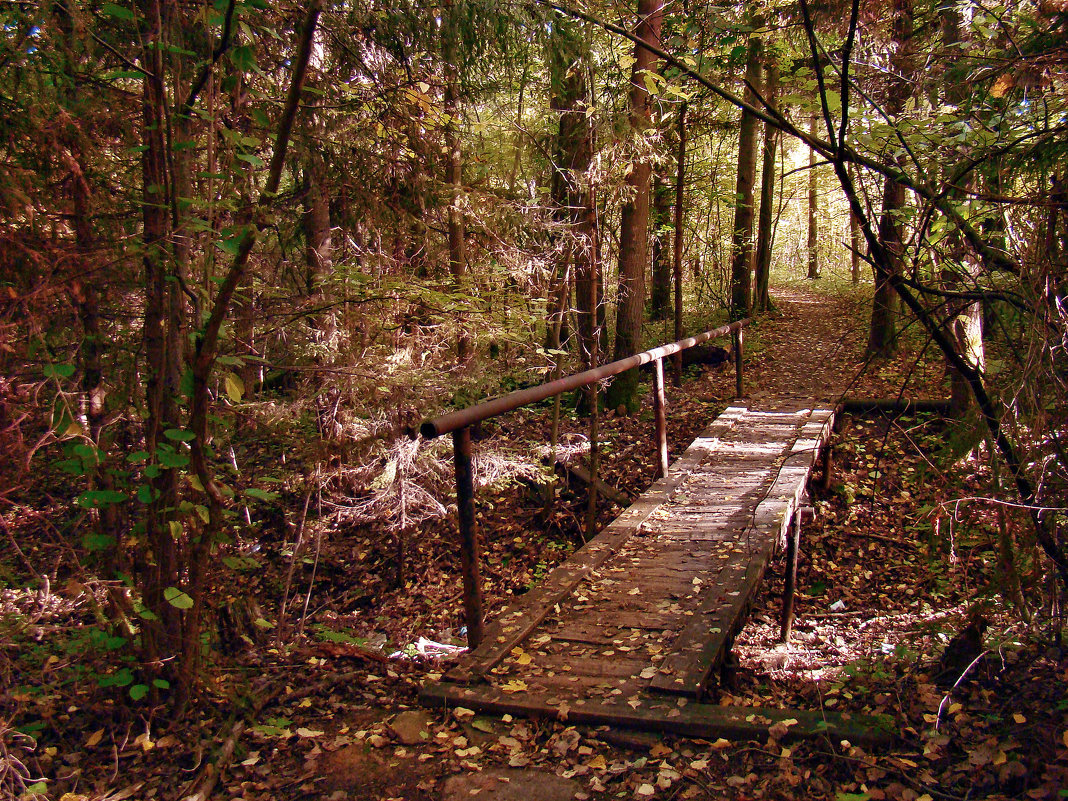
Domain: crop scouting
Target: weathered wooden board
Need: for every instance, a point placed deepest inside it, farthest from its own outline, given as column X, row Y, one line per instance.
column 691, row 719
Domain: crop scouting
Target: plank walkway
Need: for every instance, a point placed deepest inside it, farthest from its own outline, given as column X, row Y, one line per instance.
column 631, row 629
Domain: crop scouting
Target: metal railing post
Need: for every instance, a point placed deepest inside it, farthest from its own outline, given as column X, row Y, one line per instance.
column 790, row 589
column 739, row 379
column 469, row 550
column 457, row 422
column 660, row 414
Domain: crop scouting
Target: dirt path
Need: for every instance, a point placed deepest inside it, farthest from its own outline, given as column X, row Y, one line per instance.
column 811, row 350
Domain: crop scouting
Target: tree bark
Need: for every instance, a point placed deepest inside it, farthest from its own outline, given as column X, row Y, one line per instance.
column 571, row 188
column 161, row 329
column 634, row 226
column 762, row 261
column 742, row 236
column 964, row 269
column 454, row 177
column 812, row 248
column 856, row 242
column 680, row 211
column 882, row 337
column 660, row 291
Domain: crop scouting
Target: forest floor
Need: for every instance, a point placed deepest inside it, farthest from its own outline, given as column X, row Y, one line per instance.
column 324, row 704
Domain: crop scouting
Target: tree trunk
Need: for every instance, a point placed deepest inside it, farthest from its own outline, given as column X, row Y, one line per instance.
column 634, row 226
column 318, row 233
column 813, row 209
column 761, row 299
column 571, row 189
column 742, row 237
column 680, row 210
column 660, row 291
column 966, row 327
column 856, row 242
column 454, row 177
column 882, row 338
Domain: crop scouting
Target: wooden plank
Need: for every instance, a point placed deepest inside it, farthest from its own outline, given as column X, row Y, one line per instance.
column 707, row 721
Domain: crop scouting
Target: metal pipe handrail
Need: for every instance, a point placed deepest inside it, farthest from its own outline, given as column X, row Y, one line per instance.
column 458, row 423
column 452, row 421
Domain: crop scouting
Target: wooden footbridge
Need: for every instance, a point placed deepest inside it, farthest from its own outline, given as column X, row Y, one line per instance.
column 635, row 628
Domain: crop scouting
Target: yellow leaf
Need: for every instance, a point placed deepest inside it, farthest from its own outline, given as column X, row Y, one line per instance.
column 523, row 659
column 1000, row 758
column 94, row 738
column 235, row 387
column 720, row 744
column 659, row 750
column 597, row 763
column 1064, row 738
column 1019, row 718
column 1002, row 85
column 514, row 686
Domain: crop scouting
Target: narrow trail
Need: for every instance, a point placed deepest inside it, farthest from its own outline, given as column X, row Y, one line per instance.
column 812, row 351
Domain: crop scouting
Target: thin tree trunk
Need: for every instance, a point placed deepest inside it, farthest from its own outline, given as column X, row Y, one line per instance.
column 454, row 177
column 742, row 237
column 160, row 636
column 765, row 229
column 813, row 209
column 251, row 221
column 856, row 242
column 882, row 337
column 966, row 327
column 660, row 291
column 571, row 188
column 634, row 225
column 680, row 212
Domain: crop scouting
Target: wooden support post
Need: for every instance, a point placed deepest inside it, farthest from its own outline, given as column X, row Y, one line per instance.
column 660, row 413
column 739, row 378
column 791, row 578
column 828, row 464
column 469, row 551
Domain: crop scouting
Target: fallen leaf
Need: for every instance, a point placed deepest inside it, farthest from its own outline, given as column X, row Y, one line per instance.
column 648, row 673
column 660, row 750
column 646, row 789
column 94, row 738
column 302, row 732
column 597, row 763
column 514, row 686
